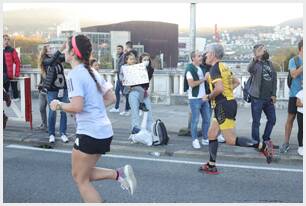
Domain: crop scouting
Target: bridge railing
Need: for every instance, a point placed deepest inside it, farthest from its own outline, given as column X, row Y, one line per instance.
column 167, row 86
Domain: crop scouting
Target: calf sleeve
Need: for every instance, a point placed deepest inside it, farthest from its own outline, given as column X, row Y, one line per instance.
column 213, row 147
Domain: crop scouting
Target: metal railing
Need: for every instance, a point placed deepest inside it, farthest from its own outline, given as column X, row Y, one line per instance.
column 168, row 82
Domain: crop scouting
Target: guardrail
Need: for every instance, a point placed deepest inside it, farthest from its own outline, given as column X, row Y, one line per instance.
column 167, row 85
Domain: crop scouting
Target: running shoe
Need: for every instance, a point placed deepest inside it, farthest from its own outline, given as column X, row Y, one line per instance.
column 64, row 138
column 127, row 178
column 114, row 110
column 196, row 144
column 268, row 151
column 221, row 138
column 205, row 142
column 300, row 151
column 284, row 148
column 209, row 169
column 51, row 138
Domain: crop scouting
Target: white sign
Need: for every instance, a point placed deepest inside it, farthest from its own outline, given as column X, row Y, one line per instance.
column 134, row 74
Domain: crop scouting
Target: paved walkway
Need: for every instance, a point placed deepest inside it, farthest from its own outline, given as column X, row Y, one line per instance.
column 175, row 117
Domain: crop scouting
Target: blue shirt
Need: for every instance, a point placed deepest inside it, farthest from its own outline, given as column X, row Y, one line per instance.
column 93, row 120
column 296, row 84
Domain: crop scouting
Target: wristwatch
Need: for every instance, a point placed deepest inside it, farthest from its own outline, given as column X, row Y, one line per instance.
column 59, row 106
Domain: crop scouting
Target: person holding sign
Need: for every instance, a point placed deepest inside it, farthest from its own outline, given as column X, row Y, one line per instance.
column 130, row 77
column 140, row 78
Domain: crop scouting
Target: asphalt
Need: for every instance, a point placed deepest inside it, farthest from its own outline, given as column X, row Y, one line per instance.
column 175, row 118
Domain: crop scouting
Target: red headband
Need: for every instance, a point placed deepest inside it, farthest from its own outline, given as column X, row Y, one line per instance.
column 75, row 48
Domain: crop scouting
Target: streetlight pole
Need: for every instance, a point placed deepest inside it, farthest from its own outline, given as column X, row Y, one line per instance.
column 192, row 27
column 192, row 36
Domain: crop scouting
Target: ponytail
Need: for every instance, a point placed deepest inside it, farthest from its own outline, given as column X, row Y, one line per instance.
column 86, row 65
column 82, row 47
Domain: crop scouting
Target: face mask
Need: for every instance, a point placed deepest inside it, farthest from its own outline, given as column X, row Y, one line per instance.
column 146, row 63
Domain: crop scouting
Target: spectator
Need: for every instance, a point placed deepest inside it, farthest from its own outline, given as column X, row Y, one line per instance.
column 119, row 87
column 263, row 93
column 6, row 96
column 134, row 95
column 296, row 71
column 128, row 48
column 125, row 90
column 11, row 58
column 299, row 104
column 90, row 94
column 42, row 96
column 143, row 89
column 194, row 83
column 56, row 87
column 94, row 64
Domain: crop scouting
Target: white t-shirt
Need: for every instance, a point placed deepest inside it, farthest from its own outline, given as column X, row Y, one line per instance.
column 93, row 120
column 299, row 95
column 202, row 85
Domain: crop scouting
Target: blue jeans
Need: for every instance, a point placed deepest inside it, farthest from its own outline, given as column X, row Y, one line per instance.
column 134, row 100
column 52, row 114
column 117, row 93
column 198, row 106
column 259, row 105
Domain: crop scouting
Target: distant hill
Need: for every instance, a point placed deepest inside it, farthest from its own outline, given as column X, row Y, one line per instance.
column 206, row 31
column 28, row 22
column 293, row 23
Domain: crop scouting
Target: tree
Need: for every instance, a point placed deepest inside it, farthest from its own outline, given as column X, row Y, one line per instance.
column 282, row 56
column 28, row 48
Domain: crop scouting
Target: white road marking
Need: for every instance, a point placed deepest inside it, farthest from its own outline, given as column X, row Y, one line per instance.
column 160, row 160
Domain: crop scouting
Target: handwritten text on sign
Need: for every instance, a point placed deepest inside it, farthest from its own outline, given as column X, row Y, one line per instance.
column 134, row 74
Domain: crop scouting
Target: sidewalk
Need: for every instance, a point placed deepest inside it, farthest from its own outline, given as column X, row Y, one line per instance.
column 175, row 117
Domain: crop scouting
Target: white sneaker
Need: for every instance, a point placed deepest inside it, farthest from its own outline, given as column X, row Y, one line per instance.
column 127, row 113
column 114, row 110
column 51, row 138
column 64, row 138
column 300, row 151
column 221, row 138
column 205, row 142
column 196, row 144
column 127, row 179
column 122, row 113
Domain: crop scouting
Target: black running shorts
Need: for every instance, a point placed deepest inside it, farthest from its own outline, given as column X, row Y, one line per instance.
column 90, row 145
column 225, row 114
column 292, row 109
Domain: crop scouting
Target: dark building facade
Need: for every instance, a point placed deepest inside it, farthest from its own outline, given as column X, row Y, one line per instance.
column 157, row 37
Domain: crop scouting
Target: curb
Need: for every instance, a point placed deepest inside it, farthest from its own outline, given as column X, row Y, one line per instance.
column 165, row 151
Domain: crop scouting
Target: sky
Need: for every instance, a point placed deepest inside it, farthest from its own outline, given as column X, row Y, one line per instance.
column 208, row 14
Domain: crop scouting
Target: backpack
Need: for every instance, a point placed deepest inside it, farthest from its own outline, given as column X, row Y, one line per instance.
column 289, row 77
column 159, row 133
column 246, row 90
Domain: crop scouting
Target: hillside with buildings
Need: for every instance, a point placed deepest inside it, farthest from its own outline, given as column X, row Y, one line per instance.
column 238, row 41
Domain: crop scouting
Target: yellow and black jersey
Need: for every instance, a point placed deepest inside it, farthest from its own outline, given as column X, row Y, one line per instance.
column 221, row 72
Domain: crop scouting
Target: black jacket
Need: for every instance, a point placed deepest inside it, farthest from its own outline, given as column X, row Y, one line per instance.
column 55, row 78
column 255, row 69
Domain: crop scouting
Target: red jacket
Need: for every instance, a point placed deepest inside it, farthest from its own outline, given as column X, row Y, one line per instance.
column 11, row 58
